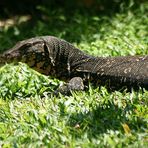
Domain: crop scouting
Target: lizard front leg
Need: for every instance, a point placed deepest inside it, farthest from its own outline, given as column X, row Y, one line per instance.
column 74, row 84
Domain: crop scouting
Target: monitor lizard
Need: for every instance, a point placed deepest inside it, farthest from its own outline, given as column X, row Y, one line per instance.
column 58, row 58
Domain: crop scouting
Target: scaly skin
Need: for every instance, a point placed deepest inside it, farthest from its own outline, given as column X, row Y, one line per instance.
column 58, row 58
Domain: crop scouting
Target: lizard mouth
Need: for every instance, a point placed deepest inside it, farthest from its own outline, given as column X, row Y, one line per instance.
column 9, row 57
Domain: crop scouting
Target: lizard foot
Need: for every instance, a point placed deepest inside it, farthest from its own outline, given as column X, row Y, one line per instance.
column 75, row 84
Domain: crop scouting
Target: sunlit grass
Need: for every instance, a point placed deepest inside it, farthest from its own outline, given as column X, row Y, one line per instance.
column 31, row 116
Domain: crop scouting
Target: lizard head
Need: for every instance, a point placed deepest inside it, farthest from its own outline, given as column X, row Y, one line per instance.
column 36, row 54
column 33, row 52
column 23, row 51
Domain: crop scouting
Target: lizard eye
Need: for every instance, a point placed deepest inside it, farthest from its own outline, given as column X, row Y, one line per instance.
column 25, row 46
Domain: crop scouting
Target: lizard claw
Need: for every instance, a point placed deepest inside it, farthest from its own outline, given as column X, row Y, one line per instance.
column 75, row 84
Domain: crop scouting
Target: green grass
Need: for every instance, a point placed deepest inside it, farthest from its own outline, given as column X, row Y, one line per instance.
column 30, row 116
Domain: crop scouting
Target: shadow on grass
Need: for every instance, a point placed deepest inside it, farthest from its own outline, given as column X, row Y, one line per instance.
column 72, row 26
column 103, row 119
column 67, row 20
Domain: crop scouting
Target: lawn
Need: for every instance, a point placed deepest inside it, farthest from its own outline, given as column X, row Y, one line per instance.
column 31, row 116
